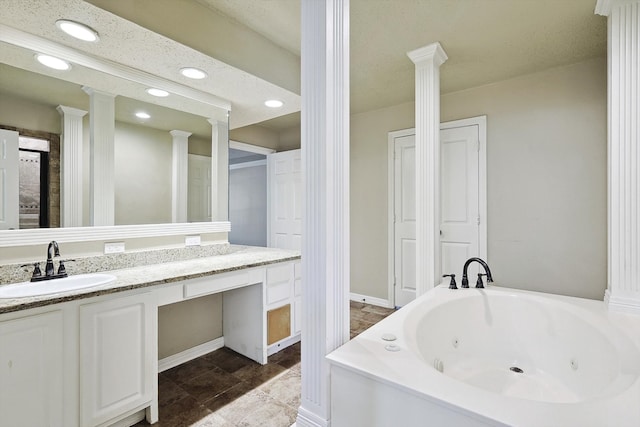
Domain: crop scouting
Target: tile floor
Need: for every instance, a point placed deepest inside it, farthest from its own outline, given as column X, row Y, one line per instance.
column 225, row 389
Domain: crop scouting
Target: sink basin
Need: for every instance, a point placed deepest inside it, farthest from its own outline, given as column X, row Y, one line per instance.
column 46, row 287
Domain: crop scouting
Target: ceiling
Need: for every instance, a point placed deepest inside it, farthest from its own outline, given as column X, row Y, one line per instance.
column 486, row 41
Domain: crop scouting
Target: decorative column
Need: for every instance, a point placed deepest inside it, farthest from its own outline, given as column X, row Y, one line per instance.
column 623, row 290
column 219, row 170
column 102, row 158
column 179, row 175
column 325, row 235
column 71, row 166
column 427, row 60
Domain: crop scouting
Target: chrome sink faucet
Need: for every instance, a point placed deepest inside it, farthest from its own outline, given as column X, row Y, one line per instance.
column 465, row 279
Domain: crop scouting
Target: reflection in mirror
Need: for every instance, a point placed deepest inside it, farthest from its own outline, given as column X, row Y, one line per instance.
column 144, row 151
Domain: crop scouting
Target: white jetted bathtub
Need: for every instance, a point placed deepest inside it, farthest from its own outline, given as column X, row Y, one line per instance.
column 495, row 356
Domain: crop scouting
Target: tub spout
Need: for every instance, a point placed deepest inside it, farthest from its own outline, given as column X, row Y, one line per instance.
column 465, row 279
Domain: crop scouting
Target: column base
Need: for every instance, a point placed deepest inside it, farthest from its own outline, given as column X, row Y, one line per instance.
column 622, row 304
column 307, row 418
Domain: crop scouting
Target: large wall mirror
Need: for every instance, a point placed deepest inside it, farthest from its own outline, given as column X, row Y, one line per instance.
column 143, row 147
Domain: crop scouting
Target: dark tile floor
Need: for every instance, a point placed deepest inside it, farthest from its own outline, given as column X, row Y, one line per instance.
column 225, row 389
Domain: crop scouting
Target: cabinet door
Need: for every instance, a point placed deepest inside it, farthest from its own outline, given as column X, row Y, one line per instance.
column 31, row 365
column 117, row 357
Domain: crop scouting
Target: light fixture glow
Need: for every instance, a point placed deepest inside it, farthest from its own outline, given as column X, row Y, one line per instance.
column 273, row 103
column 142, row 115
column 157, row 92
column 193, row 73
column 53, row 62
column 77, row 30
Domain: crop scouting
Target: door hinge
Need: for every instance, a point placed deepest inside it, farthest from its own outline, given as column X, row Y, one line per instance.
column 478, row 220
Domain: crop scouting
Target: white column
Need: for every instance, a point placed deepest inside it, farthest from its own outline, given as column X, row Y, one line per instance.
column 179, row 175
column 219, row 170
column 428, row 61
column 623, row 291
column 325, row 235
column 102, row 134
column 71, row 166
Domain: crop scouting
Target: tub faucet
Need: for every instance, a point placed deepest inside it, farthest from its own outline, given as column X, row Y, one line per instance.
column 52, row 251
column 465, row 279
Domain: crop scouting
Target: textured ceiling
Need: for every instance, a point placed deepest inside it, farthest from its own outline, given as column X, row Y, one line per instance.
column 486, row 40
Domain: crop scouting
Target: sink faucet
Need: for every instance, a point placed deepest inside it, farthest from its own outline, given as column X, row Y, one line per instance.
column 465, row 279
column 52, row 251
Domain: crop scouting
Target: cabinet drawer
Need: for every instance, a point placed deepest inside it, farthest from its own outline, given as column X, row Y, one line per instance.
column 278, row 292
column 217, row 283
column 278, row 274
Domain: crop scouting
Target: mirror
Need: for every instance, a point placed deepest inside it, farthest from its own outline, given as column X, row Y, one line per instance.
column 142, row 179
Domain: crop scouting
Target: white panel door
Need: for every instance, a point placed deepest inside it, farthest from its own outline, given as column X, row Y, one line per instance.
column 31, row 366
column 405, row 219
column 459, row 204
column 9, row 180
column 117, row 357
column 199, row 188
column 285, row 200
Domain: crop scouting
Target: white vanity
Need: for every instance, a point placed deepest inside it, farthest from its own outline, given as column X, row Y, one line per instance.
column 89, row 358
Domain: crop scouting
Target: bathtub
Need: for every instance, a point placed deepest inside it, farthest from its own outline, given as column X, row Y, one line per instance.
column 494, row 357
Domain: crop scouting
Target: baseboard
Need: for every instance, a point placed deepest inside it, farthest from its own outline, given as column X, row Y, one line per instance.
column 190, row 354
column 370, row 300
column 274, row 348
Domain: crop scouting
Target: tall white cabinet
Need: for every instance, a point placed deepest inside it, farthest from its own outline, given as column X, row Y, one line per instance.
column 31, row 367
column 284, row 290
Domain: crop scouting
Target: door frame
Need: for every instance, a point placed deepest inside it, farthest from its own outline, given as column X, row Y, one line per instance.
column 481, row 122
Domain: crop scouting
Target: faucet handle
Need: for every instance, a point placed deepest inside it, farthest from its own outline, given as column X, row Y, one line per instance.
column 62, row 271
column 452, row 283
column 36, row 270
column 479, row 283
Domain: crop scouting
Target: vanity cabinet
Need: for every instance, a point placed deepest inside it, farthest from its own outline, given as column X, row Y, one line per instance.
column 31, row 371
column 283, row 303
column 118, row 361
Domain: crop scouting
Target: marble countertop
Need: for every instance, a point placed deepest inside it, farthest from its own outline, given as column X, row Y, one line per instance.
column 237, row 258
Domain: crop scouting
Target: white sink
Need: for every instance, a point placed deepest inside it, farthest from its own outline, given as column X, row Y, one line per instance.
column 46, row 287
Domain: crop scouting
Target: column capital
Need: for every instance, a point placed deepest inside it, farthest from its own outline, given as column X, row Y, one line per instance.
column 432, row 52
column 91, row 91
column 604, row 7
column 70, row 111
column 180, row 133
column 215, row 122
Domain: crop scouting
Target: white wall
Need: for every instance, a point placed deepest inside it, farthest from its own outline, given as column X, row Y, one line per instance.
column 546, row 149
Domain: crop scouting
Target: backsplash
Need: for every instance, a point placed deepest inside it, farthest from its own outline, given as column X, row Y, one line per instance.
column 14, row 273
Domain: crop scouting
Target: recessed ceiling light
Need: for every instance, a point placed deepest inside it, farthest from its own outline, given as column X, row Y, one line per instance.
column 157, row 92
column 53, row 62
column 77, row 30
column 142, row 115
column 193, row 73
column 274, row 103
